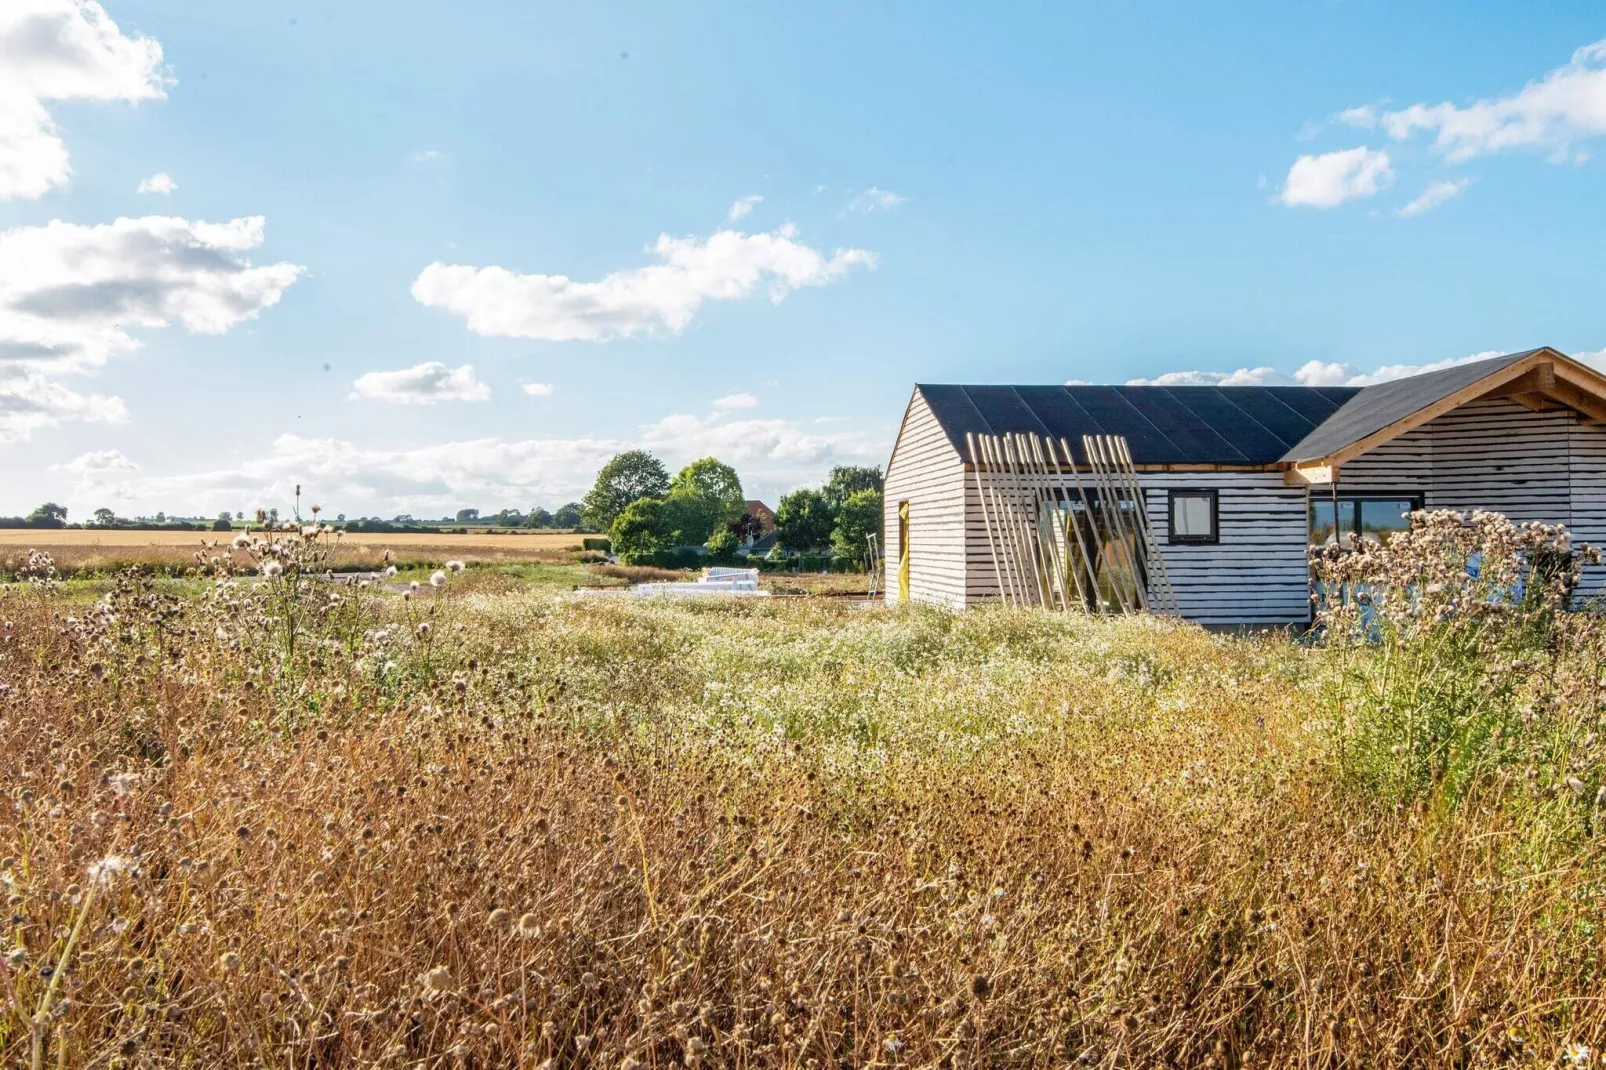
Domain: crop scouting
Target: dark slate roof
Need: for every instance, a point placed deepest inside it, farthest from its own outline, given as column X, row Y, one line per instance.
column 1376, row 407
column 1227, row 425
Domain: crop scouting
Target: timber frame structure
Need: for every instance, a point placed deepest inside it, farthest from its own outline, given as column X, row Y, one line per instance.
column 1235, row 483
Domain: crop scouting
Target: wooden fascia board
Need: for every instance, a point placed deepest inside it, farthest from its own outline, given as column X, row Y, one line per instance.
column 1162, row 468
column 1311, row 475
column 1591, row 405
column 1470, row 392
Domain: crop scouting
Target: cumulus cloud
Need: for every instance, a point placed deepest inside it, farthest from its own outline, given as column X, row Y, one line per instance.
column 56, row 50
column 776, row 441
column 875, row 200
column 537, row 390
column 422, row 384
column 1332, row 178
column 97, row 462
column 161, row 182
column 442, row 477
column 1436, row 194
column 30, row 400
column 1311, row 373
column 71, row 296
column 654, row 300
column 1565, row 106
column 735, row 401
column 743, row 206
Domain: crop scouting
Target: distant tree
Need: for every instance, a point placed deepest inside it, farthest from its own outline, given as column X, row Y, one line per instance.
column 627, row 477
column 403, row 518
column 509, row 518
column 239, row 516
column 103, row 517
column 340, row 518
column 466, row 516
column 638, row 529
column 48, row 515
column 703, row 497
column 803, row 520
column 161, row 518
column 847, row 480
column 570, row 516
column 715, row 481
column 722, row 546
column 539, row 518
column 225, row 518
column 858, row 518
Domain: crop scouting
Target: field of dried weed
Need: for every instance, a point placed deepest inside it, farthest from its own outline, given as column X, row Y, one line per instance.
column 279, row 824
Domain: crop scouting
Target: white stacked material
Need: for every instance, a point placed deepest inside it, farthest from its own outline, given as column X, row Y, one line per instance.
column 739, row 582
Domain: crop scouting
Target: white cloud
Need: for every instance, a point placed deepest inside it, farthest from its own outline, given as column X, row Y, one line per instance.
column 537, row 390
column 96, row 462
column 1332, row 178
column 422, row 384
column 1311, row 373
column 429, row 480
column 1566, row 105
column 1436, row 194
column 1364, row 116
column 29, row 401
column 735, row 401
column 657, row 299
column 429, row 156
column 71, row 295
column 875, row 200
column 160, row 182
column 743, row 206
column 54, row 50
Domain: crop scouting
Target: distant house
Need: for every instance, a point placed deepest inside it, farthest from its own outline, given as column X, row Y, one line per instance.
column 763, row 514
column 764, row 541
column 1238, row 481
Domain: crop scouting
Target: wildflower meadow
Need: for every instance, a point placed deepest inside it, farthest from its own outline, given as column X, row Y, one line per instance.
column 254, row 817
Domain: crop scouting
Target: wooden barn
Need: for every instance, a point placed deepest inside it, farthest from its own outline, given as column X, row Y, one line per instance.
column 1236, row 482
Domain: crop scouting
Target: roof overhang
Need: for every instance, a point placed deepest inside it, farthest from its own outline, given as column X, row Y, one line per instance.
column 1542, row 379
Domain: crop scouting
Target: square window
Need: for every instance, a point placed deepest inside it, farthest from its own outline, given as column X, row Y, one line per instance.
column 1193, row 516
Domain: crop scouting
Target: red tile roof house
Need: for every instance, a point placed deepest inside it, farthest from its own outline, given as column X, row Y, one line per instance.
column 1238, row 481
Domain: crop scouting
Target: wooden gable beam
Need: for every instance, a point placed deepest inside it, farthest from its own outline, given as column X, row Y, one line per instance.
column 1471, row 392
column 1591, row 405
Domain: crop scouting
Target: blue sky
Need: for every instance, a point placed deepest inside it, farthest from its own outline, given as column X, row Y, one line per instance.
column 361, row 199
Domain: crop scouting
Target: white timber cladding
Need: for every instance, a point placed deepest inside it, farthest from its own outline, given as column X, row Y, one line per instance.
column 1497, row 455
column 927, row 472
column 1490, row 454
column 1255, row 575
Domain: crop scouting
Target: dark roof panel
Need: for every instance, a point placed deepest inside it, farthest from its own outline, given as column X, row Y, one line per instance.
column 1180, row 425
column 1376, row 407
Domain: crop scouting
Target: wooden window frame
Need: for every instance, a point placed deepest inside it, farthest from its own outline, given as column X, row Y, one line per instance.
column 1171, row 516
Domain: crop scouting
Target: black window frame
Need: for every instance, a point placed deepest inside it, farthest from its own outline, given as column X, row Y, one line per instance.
column 1211, row 493
column 1416, row 497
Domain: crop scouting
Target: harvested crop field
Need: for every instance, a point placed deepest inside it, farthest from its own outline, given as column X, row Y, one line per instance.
column 87, row 551
column 274, row 823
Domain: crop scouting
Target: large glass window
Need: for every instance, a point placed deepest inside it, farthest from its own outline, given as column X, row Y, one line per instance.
column 1369, row 518
column 1193, row 516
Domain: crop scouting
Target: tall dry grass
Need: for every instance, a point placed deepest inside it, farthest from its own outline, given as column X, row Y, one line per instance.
column 474, row 828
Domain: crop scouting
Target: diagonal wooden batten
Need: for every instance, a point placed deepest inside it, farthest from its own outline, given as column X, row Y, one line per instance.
column 1025, row 480
column 987, row 520
column 1165, row 591
column 1081, row 542
column 1109, row 512
column 1129, row 549
column 1049, row 493
column 1007, row 519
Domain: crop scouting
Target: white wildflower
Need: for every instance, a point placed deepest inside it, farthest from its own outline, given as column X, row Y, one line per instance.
column 390, row 571
column 242, row 541
column 107, row 867
column 438, row 580
column 270, row 569
column 455, row 566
